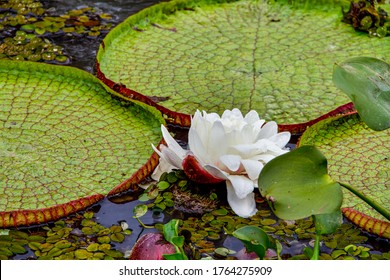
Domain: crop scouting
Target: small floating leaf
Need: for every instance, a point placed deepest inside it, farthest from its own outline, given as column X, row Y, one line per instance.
column 163, row 185
column 93, row 247
column 104, row 239
column 83, row 254
column 140, row 210
column 117, row 237
column 254, row 238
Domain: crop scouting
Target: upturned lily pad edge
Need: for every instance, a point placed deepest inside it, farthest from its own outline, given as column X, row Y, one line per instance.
column 166, row 8
column 370, row 224
column 29, row 217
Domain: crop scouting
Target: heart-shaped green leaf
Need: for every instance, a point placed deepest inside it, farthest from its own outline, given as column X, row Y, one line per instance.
column 297, row 185
column 366, row 81
column 254, row 238
column 65, row 139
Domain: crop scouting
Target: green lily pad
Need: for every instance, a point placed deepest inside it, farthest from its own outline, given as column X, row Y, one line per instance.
column 357, row 156
column 276, row 58
column 66, row 142
column 366, row 81
column 255, row 239
column 297, row 185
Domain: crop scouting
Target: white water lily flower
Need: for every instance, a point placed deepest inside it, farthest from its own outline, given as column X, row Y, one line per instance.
column 229, row 148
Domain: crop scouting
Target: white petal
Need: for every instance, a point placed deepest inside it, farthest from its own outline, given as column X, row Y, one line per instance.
column 162, row 167
column 215, row 171
column 196, row 146
column 264, row 157
column 252, row 168
column 251, row 117
column 243, row 207
column 217, row 141
column 281, row 139
column 249, row 150
column 172, row 144
column 232, row 162
column 171, row 157
column 268, row 130
column 242, row 185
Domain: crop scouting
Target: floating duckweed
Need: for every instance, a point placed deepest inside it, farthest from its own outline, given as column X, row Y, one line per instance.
column 104, row 247
column 117, row 237
column 163, row 185
column 268, row 222
column 182, row 183
column 220, row 212
column 18, row 234
column 221, row 251
column 116, row 229
column 103, row 239
column 63, row 244
column 172, row 178
column 83, row 254
column 17, row 249
column 93, row 247
column 114, row 254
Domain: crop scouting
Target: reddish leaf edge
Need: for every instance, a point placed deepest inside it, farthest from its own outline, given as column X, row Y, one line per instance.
column 25, row 218
column 184, row 120
column 139, row 176
column 39, row 216
column 368, row 223
column 170, row 116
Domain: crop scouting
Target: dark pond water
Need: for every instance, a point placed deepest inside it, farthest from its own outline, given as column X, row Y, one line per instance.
column 82, row 51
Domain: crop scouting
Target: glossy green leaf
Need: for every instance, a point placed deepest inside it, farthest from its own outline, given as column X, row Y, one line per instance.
column 140, row 210
column 254, row 238
column 64, row 138
column 171, row 234
column 297, row 184
column 366, row 81
column 271, row 56
column 328, row 223
column 358, row 156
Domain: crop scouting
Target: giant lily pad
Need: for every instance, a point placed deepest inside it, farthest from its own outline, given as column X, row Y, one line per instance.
column 357, row 156
column 66, row 142
column 270, row 56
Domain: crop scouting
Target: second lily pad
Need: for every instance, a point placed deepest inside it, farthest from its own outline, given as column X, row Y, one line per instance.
column 357, row 156
column 65, row 138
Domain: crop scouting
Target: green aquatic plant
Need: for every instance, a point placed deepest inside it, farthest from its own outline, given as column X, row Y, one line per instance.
column 368, row 16
column 306, row 189
column 171, row 234
column 75, row 238
column 255, row 239
column 366, row 81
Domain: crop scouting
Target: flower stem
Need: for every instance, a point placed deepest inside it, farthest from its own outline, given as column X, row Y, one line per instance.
column 143, row 225
column 316, row 249
column 385, row 212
